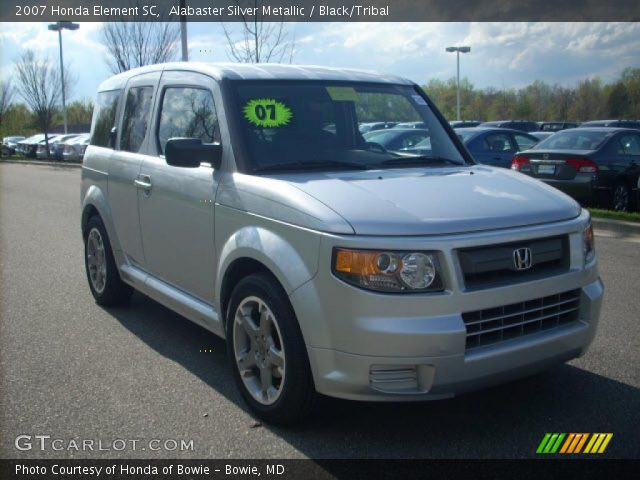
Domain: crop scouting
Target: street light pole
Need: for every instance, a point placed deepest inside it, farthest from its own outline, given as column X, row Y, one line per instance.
column 58, row 27
column 458, row 50
column 64, row 101
column 183, row 33
column 458, row 85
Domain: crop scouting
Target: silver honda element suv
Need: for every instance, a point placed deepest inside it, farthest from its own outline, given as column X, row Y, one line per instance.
column 380, row 266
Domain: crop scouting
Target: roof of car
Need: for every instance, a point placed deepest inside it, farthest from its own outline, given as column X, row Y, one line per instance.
column 488, row 128
column 257, row 71
column 599, row 129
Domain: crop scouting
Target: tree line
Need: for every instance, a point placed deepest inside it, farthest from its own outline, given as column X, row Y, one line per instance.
column 31, row 104
column 590, row 99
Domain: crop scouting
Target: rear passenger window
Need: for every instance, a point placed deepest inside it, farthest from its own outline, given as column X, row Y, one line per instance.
column 104, row 117
column 524, row 143
column 498, row 142
column 629, row 145
column 136, row 118
column 187, row 113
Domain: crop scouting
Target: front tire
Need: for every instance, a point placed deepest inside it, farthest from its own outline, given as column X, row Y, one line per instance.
column 267, row 352
column 104, row 279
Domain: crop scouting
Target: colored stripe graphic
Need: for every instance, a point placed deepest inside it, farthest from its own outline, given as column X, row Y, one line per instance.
column 581, row 442
column 605, row 444
column 598, row 443
column 573, row 443
column 543, row 443
column 567, row 442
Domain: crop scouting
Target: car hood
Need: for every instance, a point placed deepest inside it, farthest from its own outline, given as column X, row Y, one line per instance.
column 435, row 201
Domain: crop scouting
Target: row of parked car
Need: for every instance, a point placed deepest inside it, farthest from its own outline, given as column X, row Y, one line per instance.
column 67, row 147
column 597, row 163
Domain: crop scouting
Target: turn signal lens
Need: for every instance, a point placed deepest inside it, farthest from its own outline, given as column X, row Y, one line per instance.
column 589, row 243
column 388, row 271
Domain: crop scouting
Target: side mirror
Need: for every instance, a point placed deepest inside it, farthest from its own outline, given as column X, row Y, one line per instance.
column 191, row 152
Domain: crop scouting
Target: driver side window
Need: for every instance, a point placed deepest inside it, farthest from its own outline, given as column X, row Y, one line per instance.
column 187, row 112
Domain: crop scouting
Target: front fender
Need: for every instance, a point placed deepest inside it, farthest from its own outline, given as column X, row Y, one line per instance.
column 293, row 260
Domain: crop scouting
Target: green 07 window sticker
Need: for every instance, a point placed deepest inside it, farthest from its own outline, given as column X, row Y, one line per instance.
column 267, row 112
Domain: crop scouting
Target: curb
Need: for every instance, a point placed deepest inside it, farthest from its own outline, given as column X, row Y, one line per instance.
column 43, row 164
column 619, row 227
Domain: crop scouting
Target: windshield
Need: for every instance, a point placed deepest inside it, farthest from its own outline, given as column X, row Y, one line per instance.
column 302, row 125
column 574, row 139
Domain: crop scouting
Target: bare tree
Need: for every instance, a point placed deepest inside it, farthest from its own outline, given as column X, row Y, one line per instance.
column 259, row 41
column 135, row 44
column 40, row 87
column 6, row 97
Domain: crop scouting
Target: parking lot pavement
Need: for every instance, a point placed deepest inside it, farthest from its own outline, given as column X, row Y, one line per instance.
column 75, row 371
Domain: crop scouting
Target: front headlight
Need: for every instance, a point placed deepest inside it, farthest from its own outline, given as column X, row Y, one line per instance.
column 385, row 271
column 588, row 242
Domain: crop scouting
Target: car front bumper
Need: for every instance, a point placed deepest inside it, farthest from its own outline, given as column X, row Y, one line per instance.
column 369, row 346
column 414, row 378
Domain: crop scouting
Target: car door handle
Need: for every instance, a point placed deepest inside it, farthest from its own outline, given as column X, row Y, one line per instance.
column 144, row 181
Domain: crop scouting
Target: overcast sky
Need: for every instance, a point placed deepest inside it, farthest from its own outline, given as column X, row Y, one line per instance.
column 502, row 54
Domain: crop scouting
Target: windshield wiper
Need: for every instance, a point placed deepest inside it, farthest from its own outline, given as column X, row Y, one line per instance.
column 419, row 160
column 313, row 166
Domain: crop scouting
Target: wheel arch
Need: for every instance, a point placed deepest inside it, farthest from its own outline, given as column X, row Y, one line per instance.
column 94, row 203
column 258, row 250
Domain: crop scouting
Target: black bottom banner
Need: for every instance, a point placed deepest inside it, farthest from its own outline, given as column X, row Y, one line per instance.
column 84, row 469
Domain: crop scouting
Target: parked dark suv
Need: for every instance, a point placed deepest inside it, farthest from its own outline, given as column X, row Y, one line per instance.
column 613, row 123
column 591, row 164
column 522, row 125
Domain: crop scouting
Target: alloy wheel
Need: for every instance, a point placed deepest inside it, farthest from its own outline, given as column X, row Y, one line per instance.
column 621, row 198
column 96, row 260
column 259, row 350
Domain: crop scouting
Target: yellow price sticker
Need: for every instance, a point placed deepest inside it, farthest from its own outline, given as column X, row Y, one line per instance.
column 267, row 112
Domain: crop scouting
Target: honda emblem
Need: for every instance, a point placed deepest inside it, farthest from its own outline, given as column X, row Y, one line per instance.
column 522, row 259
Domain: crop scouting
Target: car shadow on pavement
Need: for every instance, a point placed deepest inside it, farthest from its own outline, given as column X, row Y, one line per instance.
column 507, row 421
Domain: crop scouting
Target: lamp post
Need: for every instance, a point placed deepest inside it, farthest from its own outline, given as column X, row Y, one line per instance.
column 458, row 51
column 183, row 33
column 58, row 27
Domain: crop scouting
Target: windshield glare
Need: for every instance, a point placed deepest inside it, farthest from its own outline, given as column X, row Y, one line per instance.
column 301, row 125
column 574, row 139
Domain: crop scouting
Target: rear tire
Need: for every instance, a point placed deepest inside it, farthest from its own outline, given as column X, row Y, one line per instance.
column 267, row 352
column 102, row 273
column 621, row 201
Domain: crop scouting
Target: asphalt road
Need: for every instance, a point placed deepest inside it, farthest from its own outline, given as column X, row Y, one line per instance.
column 73, row 370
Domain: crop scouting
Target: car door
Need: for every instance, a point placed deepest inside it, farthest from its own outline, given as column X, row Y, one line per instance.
column 177, row 203
column 124, row 164
column 627, row 160
column 494, row 149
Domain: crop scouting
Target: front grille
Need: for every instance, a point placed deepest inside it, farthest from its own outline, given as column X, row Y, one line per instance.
column 493, row 265
column 493, row 325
